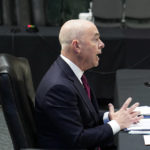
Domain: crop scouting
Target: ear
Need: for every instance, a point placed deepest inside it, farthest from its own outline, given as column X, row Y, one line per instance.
column 76, row 46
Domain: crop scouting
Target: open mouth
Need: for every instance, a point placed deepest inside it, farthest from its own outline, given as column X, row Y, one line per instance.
column 98, row 55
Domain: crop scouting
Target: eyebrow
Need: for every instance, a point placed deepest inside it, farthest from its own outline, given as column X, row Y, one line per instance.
column 97, row 34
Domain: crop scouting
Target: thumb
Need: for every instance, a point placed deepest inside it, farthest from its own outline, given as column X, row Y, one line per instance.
column 111, row 108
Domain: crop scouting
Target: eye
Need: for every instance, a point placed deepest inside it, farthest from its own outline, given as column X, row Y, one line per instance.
column 97, row 39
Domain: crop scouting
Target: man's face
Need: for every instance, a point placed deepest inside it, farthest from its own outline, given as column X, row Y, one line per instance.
column 91, row 47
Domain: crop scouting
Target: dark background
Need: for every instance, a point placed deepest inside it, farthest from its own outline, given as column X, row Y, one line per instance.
column 124, row 47
column 40, row 12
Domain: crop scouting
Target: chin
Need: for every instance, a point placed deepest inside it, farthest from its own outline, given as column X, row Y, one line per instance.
column 96, row 64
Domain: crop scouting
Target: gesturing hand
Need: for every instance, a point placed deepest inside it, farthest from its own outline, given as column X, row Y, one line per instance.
column 125, row 116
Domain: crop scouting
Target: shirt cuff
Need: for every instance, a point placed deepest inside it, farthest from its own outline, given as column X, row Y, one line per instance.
column 106, row 117
column 115, row 126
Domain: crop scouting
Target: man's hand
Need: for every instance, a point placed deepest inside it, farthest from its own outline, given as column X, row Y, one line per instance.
column 125, row 116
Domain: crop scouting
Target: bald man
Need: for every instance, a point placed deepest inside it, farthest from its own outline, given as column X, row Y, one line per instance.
column 67, row 116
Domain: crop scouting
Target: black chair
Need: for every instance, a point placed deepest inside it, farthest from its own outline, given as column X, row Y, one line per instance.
column 17, row 99
column 107, row 13
column 137, row 14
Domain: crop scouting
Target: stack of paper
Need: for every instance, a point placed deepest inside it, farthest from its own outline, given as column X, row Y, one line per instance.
column 145, row 110
column 143, row 127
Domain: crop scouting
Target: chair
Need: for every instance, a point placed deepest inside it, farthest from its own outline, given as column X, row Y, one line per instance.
column 23, row 12
column 107, row 13
column 38, row 9
column 17, row 99
column 8, row 12
column 137, row 13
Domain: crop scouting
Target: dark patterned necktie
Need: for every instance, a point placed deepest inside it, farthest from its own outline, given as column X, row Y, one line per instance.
column 86, row 86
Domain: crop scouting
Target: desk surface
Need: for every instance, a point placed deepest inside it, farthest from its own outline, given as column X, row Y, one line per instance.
column 130, row 83
column 131, row 142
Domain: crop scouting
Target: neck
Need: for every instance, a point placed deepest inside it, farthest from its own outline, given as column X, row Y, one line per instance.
column 74, row 59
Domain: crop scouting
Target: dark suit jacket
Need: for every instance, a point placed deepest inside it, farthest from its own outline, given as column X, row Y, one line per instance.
column 66, row 118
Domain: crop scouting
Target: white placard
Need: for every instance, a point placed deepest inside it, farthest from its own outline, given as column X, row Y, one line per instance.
column 146, row 139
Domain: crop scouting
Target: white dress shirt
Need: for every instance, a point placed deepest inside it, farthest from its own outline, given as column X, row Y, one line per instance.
column 78, row 72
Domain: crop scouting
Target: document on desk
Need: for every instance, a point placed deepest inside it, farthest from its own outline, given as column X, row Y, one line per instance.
column 139, row 132
column 146, row 139
column 143, row 125
column 145, row 110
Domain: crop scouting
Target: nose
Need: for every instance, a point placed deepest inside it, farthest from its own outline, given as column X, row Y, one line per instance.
column 101, row 44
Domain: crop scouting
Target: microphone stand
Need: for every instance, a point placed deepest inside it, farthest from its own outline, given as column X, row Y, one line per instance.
column 123, row 19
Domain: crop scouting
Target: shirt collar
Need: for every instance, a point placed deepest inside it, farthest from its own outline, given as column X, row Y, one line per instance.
column 77, row 71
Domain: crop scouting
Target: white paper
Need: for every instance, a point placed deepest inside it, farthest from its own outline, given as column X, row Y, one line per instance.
column 139, row 132
column 145, row 110
column 146, row 139
column 144, row 125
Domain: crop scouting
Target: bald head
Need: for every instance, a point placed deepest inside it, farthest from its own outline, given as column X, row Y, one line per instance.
column 73, row 29
column 80, row 43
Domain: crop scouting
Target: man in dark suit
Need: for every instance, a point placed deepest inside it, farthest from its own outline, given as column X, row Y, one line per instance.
column 67, row 114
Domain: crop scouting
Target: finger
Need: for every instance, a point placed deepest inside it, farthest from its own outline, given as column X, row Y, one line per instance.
column 132, row 108
column 134, row 114
column 136, row 122
column 111, row 108
column 137, row 119
column 126, row 103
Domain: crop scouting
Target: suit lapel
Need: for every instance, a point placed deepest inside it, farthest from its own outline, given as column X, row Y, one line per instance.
column 78, row 86
column 94, row 101
column 85, row 99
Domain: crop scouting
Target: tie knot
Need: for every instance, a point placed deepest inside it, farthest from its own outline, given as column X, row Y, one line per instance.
column 84, row 80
